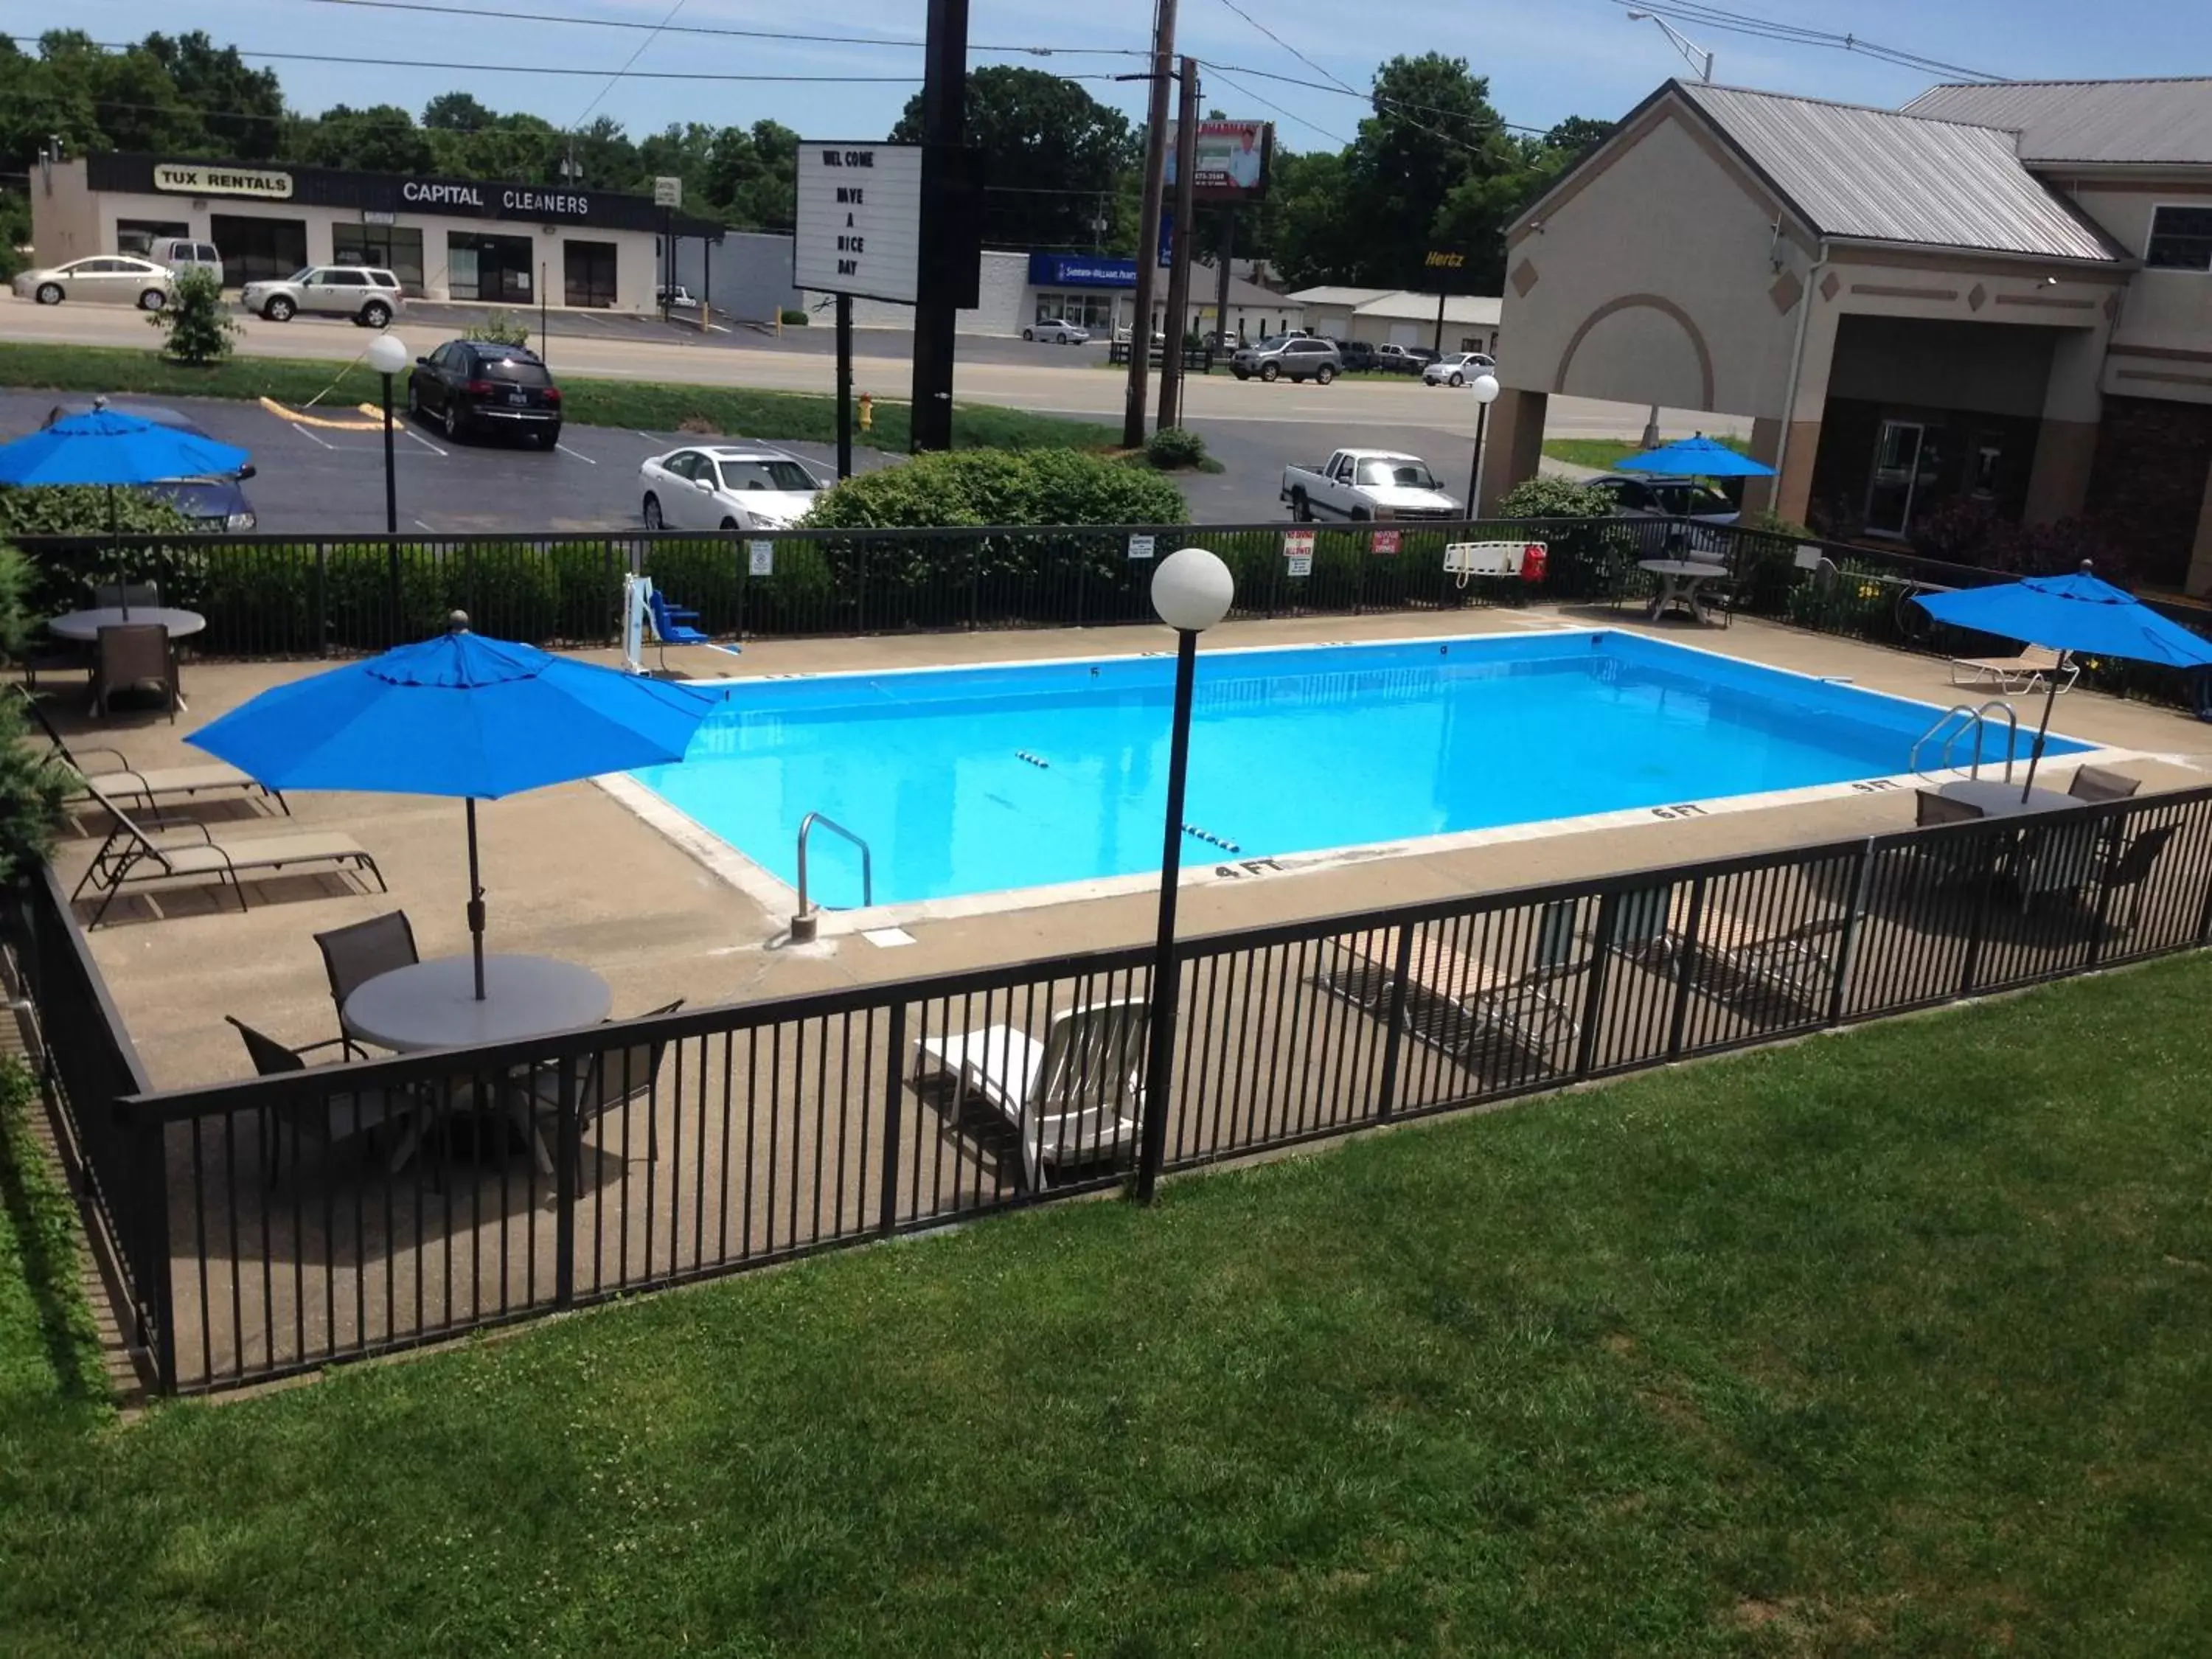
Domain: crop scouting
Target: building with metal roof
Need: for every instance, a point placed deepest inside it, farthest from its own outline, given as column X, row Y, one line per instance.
column 1997, row 301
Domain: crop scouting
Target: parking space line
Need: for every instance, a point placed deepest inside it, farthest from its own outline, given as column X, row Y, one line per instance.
column 650, row 437
column 585, row 458
column 422, row 440
column 419, row 525
column 308, row 435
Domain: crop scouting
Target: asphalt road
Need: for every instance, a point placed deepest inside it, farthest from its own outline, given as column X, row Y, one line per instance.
column 312, row 479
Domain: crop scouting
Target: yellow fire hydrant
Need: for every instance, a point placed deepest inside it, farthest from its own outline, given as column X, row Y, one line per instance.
column 867, row 412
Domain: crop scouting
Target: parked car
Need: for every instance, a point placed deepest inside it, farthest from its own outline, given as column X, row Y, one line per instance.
column 1664, row 498
column 121, row 279
column 485, row 386
column 1457, row 367
column 1058, row 331
column 181, row 256
column 726, row 487
column 368, row 295
column 677, row 299
column 1403, row 359
column 1367, row 484
column 1356, row 354
column 211, row 500
column 1288, row 356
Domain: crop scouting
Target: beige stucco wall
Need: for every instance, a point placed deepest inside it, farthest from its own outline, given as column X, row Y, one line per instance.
column 1653, row 278
column 2163, row 340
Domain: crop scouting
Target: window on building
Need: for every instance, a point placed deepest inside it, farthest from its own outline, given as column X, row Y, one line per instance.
column 1091, row 311
column 137, row 235
column 395, row 248
column 490, row 267
column 587, row 273
column 259, row 249
column 2180, row 239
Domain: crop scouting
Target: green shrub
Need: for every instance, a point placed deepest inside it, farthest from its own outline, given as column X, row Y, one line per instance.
column 1591, row 560
column 60, row 576
column 793, row 317
column 196, row 326
column 500, row 329
column 999, row 487
column 1174, row 446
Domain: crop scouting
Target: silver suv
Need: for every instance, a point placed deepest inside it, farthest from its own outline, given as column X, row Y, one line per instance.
column 370, row 296
column 1289, row 356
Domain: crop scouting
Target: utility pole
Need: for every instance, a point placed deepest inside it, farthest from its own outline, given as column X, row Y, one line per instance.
column 1148, row 230
column 1175, row 325
column 1221, row 277
column 944, row 136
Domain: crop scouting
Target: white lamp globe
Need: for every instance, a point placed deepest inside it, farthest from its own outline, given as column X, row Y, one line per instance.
column 1192, row 589
column 387, row 354
column 1485, row 387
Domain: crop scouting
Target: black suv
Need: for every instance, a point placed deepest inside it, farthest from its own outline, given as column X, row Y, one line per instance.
column 482, row 387
column 1357, row 354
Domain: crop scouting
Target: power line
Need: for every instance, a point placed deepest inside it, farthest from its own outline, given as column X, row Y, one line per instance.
column 1330, row 74
column 1736, row 23
column 628, row 63
column 1334, row 138
column 548, row 69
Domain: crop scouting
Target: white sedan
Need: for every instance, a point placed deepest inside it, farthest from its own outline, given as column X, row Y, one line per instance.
column 1457, row 369
column 1058, row 331
column 122, row 279
column 724, row 487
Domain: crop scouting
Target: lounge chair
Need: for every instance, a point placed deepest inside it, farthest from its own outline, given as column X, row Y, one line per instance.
column 1075, row 1098
column 129, row 657
column 671, row 625
column 131, row 858
column 357, row 953
column 1462, row 1004
column 338, row 1116
column 147, row 787
column 1733, row 958
column 2101, row 783
column 2015, row 676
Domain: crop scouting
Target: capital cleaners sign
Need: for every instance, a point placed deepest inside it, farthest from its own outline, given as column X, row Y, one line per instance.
column 858, row 225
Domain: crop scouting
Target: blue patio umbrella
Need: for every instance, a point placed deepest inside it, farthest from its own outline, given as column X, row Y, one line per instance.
column 463, row 715
column 107, row 448
column 1697, row 457
column 2074, row 615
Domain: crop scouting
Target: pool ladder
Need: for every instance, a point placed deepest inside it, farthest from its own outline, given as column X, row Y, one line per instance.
column 1954, row 728
column 805, row 923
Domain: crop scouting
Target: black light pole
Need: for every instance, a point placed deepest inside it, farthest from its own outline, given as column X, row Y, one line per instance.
column 388, row 355
column 1191, row 590
column 1485, row 387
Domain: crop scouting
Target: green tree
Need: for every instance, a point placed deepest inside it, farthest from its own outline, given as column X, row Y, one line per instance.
column 456, row 111
column 1577, row 136
column 1050, row 151
column 382, row 139
column 241, row 110
column 1433, row 130
column 1316, row 237
column 196, row 323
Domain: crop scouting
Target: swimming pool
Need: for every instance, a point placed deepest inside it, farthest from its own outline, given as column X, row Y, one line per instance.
column 979, row 779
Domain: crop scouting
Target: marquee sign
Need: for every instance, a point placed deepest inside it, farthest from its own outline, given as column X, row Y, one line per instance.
column 858, row 222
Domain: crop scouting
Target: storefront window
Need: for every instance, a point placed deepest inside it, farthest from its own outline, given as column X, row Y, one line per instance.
column 136, row 235
column 395, row 248
column 257, row 250
column 1090, row 310
column 490, row 267
column 587, row 271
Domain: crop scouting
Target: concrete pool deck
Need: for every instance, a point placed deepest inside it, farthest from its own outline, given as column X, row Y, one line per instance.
column 572, row 872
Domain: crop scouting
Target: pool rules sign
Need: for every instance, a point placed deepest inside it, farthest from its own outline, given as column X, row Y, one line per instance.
column 859, row 224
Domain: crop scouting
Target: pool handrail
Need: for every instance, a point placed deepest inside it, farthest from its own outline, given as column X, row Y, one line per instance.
column 802, row 924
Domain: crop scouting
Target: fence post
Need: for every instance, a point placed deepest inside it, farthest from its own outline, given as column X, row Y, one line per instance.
column 1970, row 970
column 1609, row 921
column 152, row 1267
column 564, row 1190
column 974, row 582
column 1854, row 919
column 322, row 600
column 893, row 1105
column 1684, row 957
column 1394, row 1036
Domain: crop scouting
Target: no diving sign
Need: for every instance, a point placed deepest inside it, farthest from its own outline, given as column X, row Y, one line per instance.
column 1298, row 549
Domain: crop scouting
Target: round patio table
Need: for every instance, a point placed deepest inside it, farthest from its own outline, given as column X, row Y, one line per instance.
column 1995, row 798
column 84, row 626
column 1679, row 582
column 432, row 1005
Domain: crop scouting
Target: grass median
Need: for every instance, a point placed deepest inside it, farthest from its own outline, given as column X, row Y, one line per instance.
column 652, row 406
column 1894, row 1342
column 1606, row 453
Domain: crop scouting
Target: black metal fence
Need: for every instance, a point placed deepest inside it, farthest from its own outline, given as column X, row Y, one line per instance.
column 280, row 596
column 277, row 1224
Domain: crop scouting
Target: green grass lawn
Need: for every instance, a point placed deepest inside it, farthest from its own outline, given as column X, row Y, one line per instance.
column 1606, row 453
column 651, row 405
column 1898, row 1342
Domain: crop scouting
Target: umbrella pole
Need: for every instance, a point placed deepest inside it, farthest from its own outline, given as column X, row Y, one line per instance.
column 115, row 553
column 475, row 901
column 2043, row 730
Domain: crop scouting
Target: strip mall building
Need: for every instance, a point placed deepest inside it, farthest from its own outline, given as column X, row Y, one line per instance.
column 448, row 239
column 1999, row 294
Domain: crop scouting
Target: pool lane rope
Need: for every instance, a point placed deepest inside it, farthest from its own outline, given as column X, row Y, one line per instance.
column 1210, row 838
column 1034, row 760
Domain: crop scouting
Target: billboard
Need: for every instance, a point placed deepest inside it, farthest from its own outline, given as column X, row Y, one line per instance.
column 859, row 222
column 1234, row 159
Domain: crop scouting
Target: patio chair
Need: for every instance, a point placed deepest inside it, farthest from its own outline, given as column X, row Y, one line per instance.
column 54, row 656
column 1075, row 1098
column 122, row 596
column 2131, row 870
column 1460, row 1004
column 2101, row 783
column 671, row 625
column 131, row 656
column 2015, row 676
column 611, row 1078
column 357, row 953
column 1733, row 958
column 338, row 1116
column 144, row 788
column 131, row 858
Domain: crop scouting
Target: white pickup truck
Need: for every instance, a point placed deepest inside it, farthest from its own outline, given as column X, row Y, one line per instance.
column 1368, row 483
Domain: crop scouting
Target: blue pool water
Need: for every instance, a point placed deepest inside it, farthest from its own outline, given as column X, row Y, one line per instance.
column 1292, row 751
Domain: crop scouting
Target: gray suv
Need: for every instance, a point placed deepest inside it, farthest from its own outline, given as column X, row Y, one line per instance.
column 1289, row 357
column 367, row 294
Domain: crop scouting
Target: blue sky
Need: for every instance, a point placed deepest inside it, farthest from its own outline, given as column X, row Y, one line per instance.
column 1545, row 58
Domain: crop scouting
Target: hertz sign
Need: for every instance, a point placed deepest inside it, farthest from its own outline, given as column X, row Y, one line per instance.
column 1443, row 271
